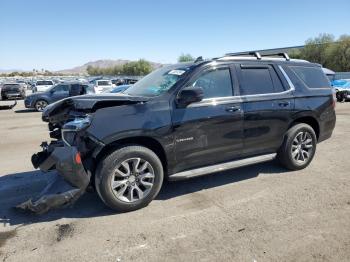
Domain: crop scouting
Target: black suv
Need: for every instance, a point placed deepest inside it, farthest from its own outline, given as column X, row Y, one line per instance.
column 187, row 120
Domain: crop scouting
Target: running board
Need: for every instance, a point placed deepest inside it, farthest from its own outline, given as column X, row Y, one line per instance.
column 221, row 167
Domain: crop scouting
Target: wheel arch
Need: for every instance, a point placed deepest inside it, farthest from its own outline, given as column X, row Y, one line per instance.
column 146, row 141
column 310, row 120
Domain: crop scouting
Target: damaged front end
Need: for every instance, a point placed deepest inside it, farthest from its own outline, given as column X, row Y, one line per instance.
column 65, row 155
column 71, row 152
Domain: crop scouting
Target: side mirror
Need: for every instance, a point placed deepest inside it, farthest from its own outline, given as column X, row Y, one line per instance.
column 189, row 96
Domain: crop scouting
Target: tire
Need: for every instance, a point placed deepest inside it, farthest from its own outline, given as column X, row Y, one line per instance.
column 40, row 105
column 126, row 195
column 298, row 148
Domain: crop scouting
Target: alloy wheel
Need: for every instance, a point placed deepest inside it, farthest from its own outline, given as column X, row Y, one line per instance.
column 133, row 180
column 40, row 105
column 302, row 147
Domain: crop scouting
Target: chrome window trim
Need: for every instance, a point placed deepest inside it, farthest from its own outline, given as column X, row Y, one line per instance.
column 246, row 98
column 290, row 83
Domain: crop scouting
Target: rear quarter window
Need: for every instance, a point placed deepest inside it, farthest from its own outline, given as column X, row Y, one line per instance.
column 312, row 77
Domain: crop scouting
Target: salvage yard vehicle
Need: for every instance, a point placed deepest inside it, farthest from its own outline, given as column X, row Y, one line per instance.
column 40, row 100
column 120, row 89
column 42, row 85
column 342, row 89
column 183, row 121
column 103, row 86
column 12, row 90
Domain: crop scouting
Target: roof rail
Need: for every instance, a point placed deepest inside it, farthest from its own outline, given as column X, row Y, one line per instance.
column 258, row 55
column 285, row 55
column 253, row 53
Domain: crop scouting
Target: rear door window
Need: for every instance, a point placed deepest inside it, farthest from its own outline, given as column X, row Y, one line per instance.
column 256, row 80
column 312, row 77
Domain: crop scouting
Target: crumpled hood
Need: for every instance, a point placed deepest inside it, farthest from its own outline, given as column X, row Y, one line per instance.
column 89, row 103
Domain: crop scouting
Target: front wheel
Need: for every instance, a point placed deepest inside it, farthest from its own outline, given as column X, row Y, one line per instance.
column 298, row 148
column 40, row 105
column 129, row 178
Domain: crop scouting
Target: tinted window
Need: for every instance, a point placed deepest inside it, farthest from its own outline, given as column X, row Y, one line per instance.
column 42, row 83
column 62, row 88
column 104, row 83
column 313, row 77
column 259, row 80
column 11, row 85
column 215, row 83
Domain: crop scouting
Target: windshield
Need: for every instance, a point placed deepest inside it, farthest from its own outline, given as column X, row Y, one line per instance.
column 11, row 85
column 104, row 83
column 44, row 83
column 156, row 82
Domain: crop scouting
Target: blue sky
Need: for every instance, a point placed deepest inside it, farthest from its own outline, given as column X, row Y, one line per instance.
column 66, row 33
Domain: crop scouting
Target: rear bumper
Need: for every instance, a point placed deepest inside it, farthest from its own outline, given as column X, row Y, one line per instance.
column 61, row 192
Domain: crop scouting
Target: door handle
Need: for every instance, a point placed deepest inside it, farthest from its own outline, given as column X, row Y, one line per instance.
column 233, row 108
column 283, row 104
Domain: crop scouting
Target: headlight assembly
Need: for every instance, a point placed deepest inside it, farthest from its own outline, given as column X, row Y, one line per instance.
column 70, row 129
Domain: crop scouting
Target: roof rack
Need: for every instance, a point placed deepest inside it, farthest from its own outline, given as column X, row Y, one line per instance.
column 285, row 55
column 258, row 55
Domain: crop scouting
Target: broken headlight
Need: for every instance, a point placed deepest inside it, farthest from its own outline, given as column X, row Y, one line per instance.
column 72, row 128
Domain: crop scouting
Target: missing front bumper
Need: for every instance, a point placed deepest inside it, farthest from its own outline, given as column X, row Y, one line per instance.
column 67, row 186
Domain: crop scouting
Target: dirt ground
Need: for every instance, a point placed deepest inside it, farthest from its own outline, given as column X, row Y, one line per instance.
column 257, row 213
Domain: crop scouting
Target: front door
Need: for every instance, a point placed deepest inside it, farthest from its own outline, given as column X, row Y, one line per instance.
column 209, row 131
column 59, row 92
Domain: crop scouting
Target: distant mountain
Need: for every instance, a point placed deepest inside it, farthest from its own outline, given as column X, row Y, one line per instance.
column 102, row 64
column 6, row 71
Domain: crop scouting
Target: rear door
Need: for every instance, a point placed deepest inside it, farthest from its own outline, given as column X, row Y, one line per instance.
column 209, row 131
column 267, row 104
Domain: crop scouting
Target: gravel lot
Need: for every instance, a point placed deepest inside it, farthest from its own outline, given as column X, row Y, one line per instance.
column 257, row 213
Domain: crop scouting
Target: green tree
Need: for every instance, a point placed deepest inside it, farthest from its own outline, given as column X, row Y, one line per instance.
column 135, row 68
column 325, row 50
column 185, row 58
column 339, row 54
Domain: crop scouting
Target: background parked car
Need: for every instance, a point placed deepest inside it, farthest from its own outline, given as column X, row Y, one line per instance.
column 60, row 91
column 12, row 90
column 123, row 81
column 342, row 89
column 103, row 86
column 42, row 85
column 120, row 89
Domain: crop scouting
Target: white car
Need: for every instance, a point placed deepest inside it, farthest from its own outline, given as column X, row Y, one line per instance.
column 42, row 85
column 103, row 86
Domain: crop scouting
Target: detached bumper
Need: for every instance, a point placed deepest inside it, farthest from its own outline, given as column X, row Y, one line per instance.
column 70, row 183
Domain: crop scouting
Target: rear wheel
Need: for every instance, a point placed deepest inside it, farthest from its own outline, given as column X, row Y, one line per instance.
column 40, row 105
column 298, row 148
column 129, row 178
